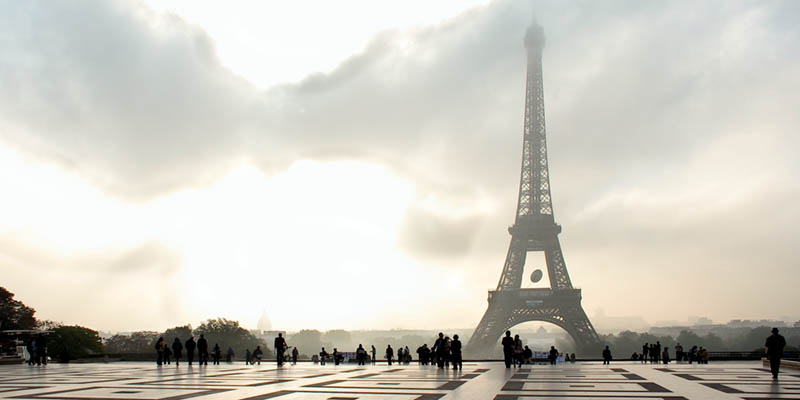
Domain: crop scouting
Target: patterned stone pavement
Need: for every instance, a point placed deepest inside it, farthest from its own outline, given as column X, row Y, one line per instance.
column 490, row 380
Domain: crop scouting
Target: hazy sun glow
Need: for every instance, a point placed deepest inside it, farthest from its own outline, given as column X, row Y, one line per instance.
column 247, row 242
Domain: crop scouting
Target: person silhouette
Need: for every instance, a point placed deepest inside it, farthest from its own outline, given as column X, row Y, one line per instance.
column 606, row 356
column 202, row 350
column 389, row 354
column 177, row 350
column 280, row 347
column 553, row 356
column 295, row 353
column 160, row 346
column 190, row 346
column 361, row 354
column 508, row 349
column 374, row 352
column 455, row 352
column 775, row 344
column 217, row 352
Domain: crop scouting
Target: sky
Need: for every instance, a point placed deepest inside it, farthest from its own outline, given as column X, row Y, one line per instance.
column 355, row 164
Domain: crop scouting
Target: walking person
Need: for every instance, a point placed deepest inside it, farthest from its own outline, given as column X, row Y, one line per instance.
column 455, row 352
column 645, row 352
column 665, row 355
column 508, row 348
column 160, row 351
column 295, row 353
column 280, row 348
column 323, row 356
column 41, row 350
column 606, row 356
column 678, row 352
column 230, row 355
column 389, row 354
column 202, row 350
column 775, row 344
column 190, row 346
column 177, row 349
column 373, row 354
column 658, row 351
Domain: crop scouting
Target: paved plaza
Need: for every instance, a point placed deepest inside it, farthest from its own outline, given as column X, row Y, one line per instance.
column 489, row 380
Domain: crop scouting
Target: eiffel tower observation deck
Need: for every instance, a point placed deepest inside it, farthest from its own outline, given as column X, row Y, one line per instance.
column 534, row 230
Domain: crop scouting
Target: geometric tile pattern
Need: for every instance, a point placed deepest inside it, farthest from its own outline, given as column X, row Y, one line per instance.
column 487, row 380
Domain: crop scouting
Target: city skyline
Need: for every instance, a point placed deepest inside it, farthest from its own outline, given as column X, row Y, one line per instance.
column 153, row 178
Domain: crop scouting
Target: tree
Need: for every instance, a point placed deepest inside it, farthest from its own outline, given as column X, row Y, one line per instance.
column 135, row 343
column 339, row 338
column 227, row 333
column 181, row 332
column 71, row 342
column 308, row 341
column 14, row 314
column 687, row 339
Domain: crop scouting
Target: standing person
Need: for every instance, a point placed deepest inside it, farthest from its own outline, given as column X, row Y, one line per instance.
column 399, row 354
column 438, row 350
column 373, row 354
column 323, row 356
column 692, row 354
column 248, row 357
column 527, row 355
column 389, row 354
column 217, row 352
column 517, row 351
column 645, row 352
column 295, row 353
column 361, row 354
column 229, row 357
column 280, row 347
column 160, row 351
column 167, row 353
column 29, row 346
column 665, row 355
column 678, row 352
column 553, row 356
column 337, row 357
column 190, row 346
column 202, row 350
column 41, row 350
column 455, row 352
column 508, row 348
column 606, row 356
column 257, row 354
column 408, row 356
column 177, row 349
column 658, row 351
column 775, row 344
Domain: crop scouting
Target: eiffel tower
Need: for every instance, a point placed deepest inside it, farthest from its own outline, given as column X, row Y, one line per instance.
column 534, row 229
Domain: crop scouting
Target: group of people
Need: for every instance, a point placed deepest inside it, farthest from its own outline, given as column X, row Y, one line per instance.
column 166, row 353
column 37, row 350
column 516, row 354
column 445, row 351
column 655, row 354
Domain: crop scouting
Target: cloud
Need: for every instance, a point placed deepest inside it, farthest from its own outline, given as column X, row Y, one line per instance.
column 671, row 127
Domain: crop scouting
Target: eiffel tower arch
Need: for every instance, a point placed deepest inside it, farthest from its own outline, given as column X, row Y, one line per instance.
column 534, row 230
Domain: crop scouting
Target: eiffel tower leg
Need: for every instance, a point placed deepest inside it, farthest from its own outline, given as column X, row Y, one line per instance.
column 577, row 324
column 484, row 341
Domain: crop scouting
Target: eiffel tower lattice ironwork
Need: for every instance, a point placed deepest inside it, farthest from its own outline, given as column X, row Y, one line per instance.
column 534, row 229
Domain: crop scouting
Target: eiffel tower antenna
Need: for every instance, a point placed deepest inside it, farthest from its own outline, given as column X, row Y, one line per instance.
column 534, row 230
